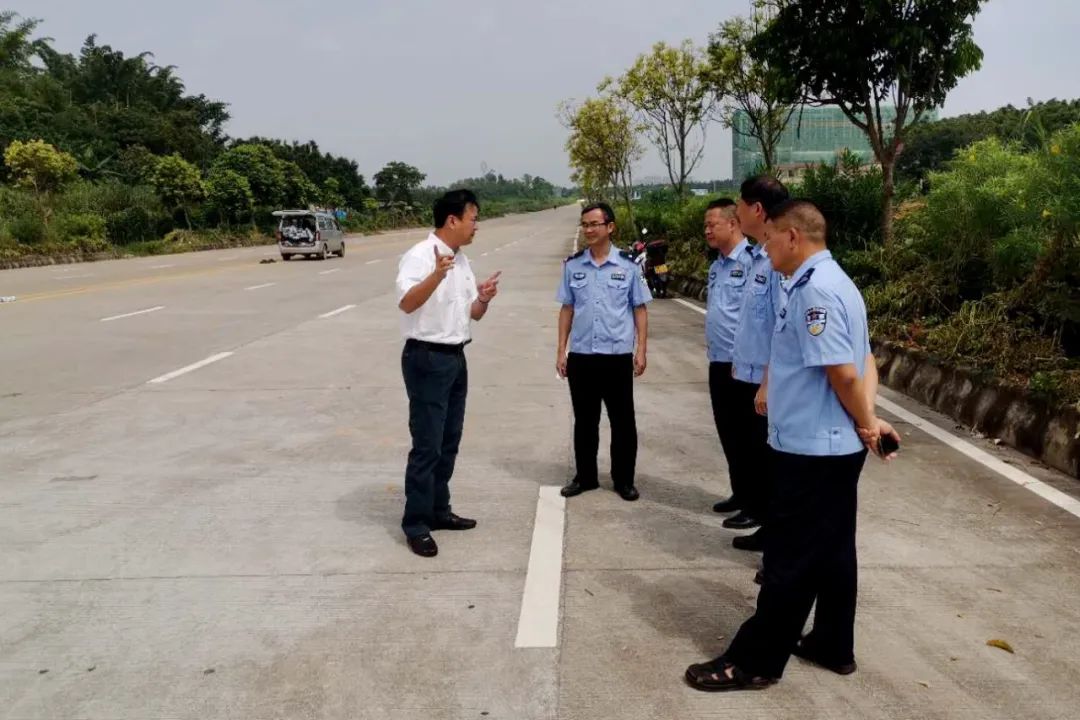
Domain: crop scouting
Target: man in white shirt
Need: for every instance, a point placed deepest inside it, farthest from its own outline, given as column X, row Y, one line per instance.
column 438, row 295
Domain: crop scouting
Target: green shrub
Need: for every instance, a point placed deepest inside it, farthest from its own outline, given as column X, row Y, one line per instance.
column 85, row 231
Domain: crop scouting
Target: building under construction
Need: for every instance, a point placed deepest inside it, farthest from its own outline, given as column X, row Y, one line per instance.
column 813, row 135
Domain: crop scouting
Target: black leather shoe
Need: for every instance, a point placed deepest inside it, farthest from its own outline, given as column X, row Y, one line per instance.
column 806, row 651
column 742, row 521
column 628, row 493
column 453, row 522
column 576, row 488
column 423, row 545
column 729, row 504
column 752, row 543
column 759, row 577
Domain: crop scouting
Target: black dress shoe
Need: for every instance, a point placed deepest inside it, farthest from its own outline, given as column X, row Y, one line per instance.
column 759, row 577
column 453, row 522
column 806, row 651
column 729, row 504
column 628, row 493
column 742, row 521
column 423, row 545
column 752, row 543
column 576, row 488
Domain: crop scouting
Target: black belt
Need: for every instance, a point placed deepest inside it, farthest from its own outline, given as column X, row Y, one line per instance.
column 437, row 347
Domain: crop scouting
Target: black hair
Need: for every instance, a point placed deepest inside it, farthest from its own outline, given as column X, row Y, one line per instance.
column 720, row 203
column 453, row 203
column 609, row 214
column 764, row 189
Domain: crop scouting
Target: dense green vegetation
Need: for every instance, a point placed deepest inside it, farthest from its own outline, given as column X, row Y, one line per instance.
column 105, row 153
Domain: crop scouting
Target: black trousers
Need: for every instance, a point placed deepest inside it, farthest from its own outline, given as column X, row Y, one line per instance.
column 809, row 556
column 608, row 379
column 744, row 436
column 437, row 381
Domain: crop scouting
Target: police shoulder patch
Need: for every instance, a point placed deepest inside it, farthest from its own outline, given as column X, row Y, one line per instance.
column 626, row 255
column 578, row 254
column 816, row 318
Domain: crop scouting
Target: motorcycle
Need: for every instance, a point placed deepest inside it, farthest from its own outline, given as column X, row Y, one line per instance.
column 652, row 258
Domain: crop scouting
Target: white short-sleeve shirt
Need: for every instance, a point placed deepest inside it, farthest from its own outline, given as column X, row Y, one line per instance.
column 445, row 317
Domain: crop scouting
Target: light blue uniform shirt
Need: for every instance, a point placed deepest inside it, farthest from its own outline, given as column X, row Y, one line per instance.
column 762, row 302
column 823, row 324
column 727, row 282
column 604, row 297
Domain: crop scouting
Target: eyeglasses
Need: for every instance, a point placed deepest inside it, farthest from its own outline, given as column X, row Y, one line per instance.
column 592, row 225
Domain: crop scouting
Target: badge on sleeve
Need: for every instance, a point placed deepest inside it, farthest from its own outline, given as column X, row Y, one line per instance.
column 815, row 320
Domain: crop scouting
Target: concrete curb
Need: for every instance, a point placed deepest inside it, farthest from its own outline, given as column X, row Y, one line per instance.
column 1033, row 426
column 1029, row 424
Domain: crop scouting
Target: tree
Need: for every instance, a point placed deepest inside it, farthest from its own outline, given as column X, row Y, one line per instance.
column 911, row 52
column 765, row 97
column 331, row 194
column 258, row 165
column 930, row 145
column 179, row 183
column 16, row 47
column 41, row 168
column 299, row 189
column 396, row 182
column 671, row 90
column 603, row 145
column 230, row 194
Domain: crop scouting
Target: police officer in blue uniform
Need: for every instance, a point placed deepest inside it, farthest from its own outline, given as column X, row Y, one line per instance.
column 728, row 277
column 821, row 391
column 753, row 339
column 603, row 296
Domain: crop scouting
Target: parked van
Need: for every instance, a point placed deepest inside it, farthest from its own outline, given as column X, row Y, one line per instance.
column 309, row 232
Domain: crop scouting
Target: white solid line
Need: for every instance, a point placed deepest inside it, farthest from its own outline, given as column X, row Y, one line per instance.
column 133, row 314
column 538, row 624
column 189, row 368
column 224, row 259
column 259, row 287
column 498, row 249
column 691, row 305
column 327, row 272
column 1021, row 478
column 484, row 255
column 72, row 277
column 340, row 310
column 161, row 267
column 372, row 262
column 1065, row 502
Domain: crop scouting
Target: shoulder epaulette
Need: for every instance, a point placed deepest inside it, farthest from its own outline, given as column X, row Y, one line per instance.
column 804, row 279
column 626, row 255
column 578, row 254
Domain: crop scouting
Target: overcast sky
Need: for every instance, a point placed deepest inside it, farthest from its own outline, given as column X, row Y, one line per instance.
column 447, row 86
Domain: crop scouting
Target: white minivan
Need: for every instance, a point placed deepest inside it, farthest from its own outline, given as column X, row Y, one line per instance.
column 309, row 232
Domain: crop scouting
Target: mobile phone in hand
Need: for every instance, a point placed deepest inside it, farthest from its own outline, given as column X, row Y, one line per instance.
column 887, row 445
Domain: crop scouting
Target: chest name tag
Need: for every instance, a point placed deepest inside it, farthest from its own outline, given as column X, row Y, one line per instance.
column 618, row 276
column 579, row 276
column 760, row 279
column 737, row 273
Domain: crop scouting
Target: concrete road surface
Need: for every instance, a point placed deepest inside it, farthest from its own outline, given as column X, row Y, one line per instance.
column 224, row 542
